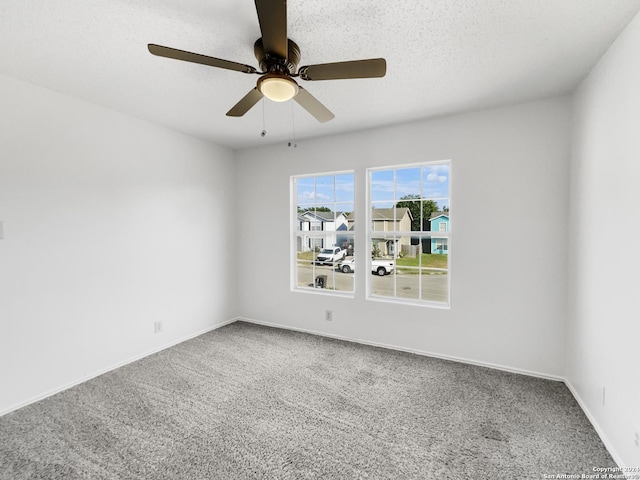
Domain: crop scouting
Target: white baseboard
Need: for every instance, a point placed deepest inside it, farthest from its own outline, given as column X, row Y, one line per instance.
column 411, row 350
column 603, row 436
column 85, row 378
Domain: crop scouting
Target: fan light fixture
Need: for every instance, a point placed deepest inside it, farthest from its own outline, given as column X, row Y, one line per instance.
column 277, row 87
column 278, row 57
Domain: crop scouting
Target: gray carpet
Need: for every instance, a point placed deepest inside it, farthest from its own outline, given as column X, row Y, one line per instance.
column 252, row 402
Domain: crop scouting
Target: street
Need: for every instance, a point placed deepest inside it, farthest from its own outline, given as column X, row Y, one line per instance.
column 432, row 286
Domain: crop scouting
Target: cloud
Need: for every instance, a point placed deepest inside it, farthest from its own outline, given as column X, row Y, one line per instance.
column 321, row 198
column 309, row 196
column 434, row 177
column 382, row 186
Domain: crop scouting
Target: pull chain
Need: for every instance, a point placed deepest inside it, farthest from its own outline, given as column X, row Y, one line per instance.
column 264, row 130
column 293, row 128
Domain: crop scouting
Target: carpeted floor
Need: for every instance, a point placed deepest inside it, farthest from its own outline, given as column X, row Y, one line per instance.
column 252, row 402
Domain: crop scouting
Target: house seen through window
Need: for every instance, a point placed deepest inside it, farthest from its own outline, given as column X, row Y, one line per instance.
column 407, row 240
column 324, row 232
column 409, row 233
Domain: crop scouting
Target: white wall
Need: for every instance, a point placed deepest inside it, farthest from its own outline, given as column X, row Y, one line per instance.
column 604, row 326
column 110, row 224
column 508, row 263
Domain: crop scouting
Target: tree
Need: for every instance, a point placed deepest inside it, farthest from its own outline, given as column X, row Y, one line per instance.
column 414, row 203
column 312, row 209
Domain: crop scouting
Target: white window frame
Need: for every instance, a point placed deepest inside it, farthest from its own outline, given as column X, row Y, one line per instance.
column 314, row 235
column 397, row 234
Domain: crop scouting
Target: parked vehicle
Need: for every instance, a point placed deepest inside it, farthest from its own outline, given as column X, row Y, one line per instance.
column 380, row 267
column 331, row 255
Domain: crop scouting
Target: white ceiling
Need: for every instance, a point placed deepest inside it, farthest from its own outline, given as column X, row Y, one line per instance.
column 443, row 56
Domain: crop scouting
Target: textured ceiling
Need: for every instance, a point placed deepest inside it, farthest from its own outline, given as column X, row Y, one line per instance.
column 443, row 56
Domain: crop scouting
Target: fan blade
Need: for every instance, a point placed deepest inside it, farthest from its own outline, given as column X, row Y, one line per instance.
column 272, row 15
column 244, row 105
column 371, row 68
column 313, row 106
column 176, row 54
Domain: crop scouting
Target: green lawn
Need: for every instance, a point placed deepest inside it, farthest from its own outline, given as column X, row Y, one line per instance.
column 429, row 260
column 308, row 256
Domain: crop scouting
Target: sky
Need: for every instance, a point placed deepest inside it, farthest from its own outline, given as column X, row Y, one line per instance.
column 429, row 182
column 333, row 191
column 387, row 187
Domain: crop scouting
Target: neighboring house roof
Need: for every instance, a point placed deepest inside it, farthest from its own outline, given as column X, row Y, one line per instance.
column 387, row 213
column 324, row 216
column 435, row 215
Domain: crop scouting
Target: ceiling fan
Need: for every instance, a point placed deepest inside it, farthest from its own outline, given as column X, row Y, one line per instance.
column 278, row 57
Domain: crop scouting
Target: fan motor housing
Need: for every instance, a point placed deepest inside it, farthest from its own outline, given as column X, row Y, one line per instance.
column 270, row 63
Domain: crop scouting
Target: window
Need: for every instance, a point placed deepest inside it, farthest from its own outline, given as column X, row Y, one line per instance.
column 407, row 206
column 323, row 233
column 441, row 244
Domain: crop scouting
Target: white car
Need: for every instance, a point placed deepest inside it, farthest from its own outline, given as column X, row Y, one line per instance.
column 381, row 267
column 331, row 255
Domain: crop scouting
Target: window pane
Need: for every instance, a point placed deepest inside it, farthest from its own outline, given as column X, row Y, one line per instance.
column 351, row 220
column 332, row 263
column 439, row 222
column 383, row 250
column 323, row 276
column 306, row 190
column 408, row 215
column 443, row 204
column 383, row 286
column 407, row 271
column 435, row 286
column 383, row 245
column 381, row 219
column 325, row 190
column 344, row 240
column 305, row 272
column 382, row 186
column 383, row 266
column 343, row 212
column 408, row 183
column 344, row 188
column 344, row 278
column 344, row 207
column 435, row 262
column 408, row 250
column 435, row 181
column 408, row 283
column 435, row 267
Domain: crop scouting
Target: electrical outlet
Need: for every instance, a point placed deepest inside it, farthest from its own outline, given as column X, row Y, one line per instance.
column 328, row 315
column 157, row 327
